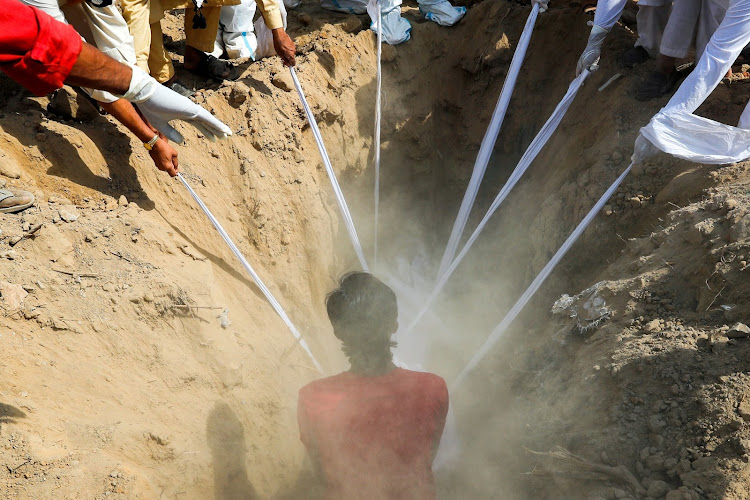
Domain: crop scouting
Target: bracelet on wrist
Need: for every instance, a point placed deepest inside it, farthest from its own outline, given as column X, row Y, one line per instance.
column 150, row 144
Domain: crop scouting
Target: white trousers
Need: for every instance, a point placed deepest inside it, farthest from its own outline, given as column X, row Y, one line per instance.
column 652, row 20
column 691, row 22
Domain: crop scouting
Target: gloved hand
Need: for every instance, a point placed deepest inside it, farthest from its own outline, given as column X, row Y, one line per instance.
column 590, row 57
column 160, row 105
column 543, row 4
column 643, row 150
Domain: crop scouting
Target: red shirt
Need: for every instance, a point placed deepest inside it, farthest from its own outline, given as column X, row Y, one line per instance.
column 374, row 437
column 35, row 50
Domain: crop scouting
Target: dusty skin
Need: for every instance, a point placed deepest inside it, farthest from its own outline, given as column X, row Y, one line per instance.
column 118, row 380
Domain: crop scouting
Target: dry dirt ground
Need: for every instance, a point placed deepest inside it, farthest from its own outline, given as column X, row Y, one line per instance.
column 122, row 376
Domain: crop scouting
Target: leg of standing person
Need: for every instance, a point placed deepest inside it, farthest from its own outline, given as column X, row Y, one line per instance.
column 144, row 22
column 159, row 63
column 652, row 20
column 712, row 13
column 200, row 41
column 137, row 14
column 678, row 37
column 395, row 28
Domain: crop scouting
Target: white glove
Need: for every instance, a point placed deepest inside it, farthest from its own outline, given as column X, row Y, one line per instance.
column 643, row 150
column 543, row 4
column 160, row 105
column 590, row 57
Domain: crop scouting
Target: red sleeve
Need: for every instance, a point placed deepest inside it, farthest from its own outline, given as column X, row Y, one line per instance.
column 35, row 50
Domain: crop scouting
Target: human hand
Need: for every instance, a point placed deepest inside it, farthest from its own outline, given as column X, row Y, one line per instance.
column 590, row 57
column 543, row 4
column 165, row 157
column 643, row 150
column 160, row 105
column 284, row 46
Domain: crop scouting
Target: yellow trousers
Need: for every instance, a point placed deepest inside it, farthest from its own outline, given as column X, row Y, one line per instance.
column 144, row 21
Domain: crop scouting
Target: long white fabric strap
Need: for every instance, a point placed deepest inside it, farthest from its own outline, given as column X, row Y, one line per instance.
column 528, row 157
column 331, row 174
column 376, row 159
column 488, row 143
column 274, row 303
column 541, row 277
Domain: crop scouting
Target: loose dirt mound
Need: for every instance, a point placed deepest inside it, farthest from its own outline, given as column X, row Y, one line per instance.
column 121, row 376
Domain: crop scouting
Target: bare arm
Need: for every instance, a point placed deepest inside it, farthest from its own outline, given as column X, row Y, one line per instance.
column 163, row 155
column 284, row 46
column 98, row 71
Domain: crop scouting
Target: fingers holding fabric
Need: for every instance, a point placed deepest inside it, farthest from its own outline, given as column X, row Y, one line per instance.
column 591, row 54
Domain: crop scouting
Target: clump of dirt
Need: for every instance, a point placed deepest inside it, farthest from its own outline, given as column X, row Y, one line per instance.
column 136, row 364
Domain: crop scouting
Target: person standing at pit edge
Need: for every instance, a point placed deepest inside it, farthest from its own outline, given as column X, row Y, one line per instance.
column 42, row 54
column 373, row 431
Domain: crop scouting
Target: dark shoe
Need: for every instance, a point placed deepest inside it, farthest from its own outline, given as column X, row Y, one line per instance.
column 633, row 57
column 656, row 85
column 179, row 88
column 211, row 67
column 588, row 7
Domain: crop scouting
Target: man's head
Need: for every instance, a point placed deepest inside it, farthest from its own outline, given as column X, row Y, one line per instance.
column 364, row 315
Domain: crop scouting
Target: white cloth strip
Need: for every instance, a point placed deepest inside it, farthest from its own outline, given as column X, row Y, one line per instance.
column 376, row 160
column 274, row 303
column 541, row 277
column 488, row 143
column 528, row 157
column 331, row 174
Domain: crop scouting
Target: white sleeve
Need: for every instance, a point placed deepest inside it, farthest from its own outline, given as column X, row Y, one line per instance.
column 49, row 7
column 721, row 52
column 110, row 32
column 608, row 12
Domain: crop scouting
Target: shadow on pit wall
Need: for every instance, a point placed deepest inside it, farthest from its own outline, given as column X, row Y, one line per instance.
column 226, row 438
column 115, row 178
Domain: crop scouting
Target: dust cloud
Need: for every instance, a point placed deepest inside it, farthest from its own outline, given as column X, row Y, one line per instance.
column 193, row 409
